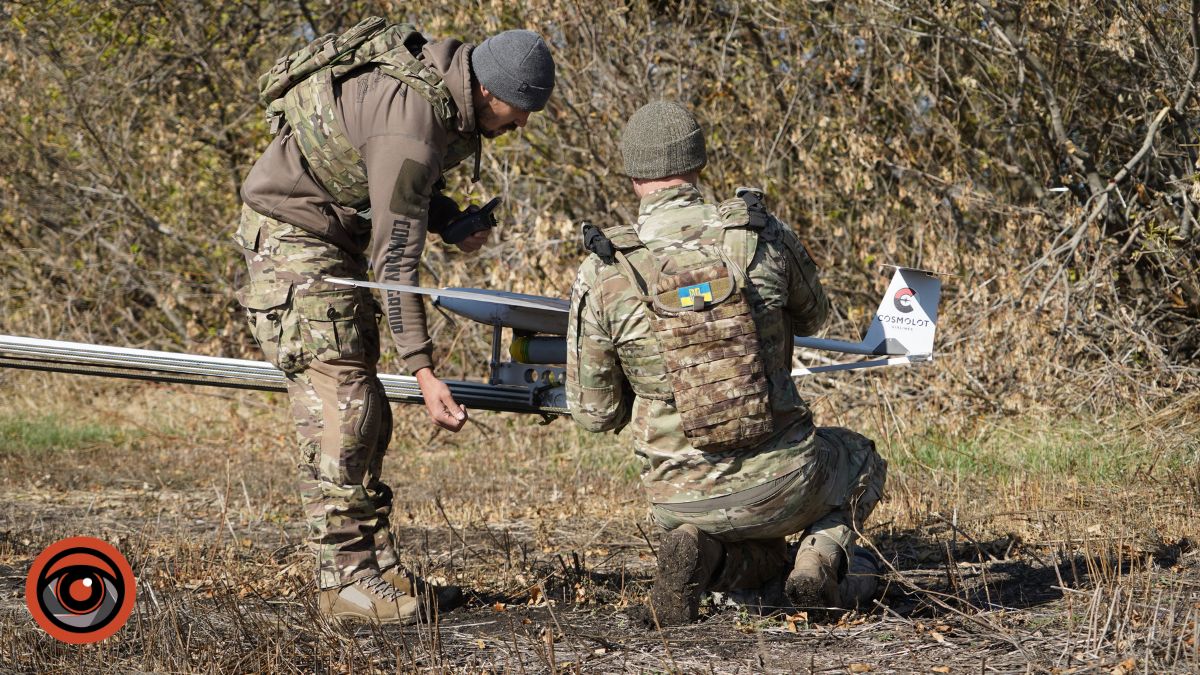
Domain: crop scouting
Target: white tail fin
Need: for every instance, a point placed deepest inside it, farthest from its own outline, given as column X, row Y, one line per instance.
column 907, row 316
column 903, row 325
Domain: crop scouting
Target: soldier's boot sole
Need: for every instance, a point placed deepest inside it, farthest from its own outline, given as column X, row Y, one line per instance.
column 350, row 617
column 813, row 583
column 687, row 560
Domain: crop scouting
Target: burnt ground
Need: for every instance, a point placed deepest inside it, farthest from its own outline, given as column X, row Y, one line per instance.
column 1013, row 563
column 218, row 597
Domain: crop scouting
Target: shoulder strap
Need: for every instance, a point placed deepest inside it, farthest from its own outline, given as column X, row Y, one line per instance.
column 742, row 219
column 395, row 50
column 310, row 109
column 323, row 52
column 393, row 47
column 641, row 282
column 623, row 237
column 614, row 245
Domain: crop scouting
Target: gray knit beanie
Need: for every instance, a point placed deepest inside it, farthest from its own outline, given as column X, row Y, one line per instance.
column 662, row 139
column 517, row 67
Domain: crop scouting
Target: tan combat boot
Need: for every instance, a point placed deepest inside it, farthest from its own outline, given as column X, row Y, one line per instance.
column 813, row 581
column 369, row 599
column 445, row 598
column 687, row 560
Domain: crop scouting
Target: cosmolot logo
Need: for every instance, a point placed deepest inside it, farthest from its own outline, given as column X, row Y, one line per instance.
column 80, row 590
column 904, row 299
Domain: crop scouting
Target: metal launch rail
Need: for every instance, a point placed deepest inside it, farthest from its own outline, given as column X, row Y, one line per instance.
column 142, row 364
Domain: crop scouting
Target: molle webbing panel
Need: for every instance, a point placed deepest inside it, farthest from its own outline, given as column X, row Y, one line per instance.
column 311, row 111
column 713, row 362
column 332, row 159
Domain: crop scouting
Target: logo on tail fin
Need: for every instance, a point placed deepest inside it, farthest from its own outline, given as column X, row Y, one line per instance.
column 907, row 316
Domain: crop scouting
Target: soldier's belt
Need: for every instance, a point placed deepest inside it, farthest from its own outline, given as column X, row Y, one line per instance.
column 749, row 497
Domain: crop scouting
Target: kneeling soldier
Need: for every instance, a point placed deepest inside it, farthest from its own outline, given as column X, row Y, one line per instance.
column 682, row 325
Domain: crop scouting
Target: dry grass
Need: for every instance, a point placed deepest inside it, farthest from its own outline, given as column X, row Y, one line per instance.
column 1018, row 548
column 1029, row 528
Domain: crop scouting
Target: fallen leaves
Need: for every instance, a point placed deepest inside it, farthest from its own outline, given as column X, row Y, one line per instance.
column 1125, row 667
column 793, row 619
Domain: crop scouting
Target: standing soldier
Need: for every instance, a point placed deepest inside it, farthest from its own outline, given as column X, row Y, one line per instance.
column 682, row 325
column 367, row 122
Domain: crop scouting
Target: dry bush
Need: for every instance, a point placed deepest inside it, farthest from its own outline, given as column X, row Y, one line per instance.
column 1042, row 153
column 929, row 133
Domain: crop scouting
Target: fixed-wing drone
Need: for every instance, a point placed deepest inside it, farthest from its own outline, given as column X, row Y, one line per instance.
column 531, row 381
column 902, row 329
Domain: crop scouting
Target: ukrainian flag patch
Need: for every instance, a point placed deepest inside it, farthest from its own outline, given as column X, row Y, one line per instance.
column 688, row 294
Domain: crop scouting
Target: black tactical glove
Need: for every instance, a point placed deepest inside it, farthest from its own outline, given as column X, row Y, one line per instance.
column 595, row 241
column 442, row 210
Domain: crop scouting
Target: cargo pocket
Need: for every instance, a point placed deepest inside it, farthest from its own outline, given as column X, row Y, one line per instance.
column 273, row 322
column 846, row 453
column 329, row 324
column 249, row 230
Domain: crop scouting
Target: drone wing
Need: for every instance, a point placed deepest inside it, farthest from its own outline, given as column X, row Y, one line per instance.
column 520, row 311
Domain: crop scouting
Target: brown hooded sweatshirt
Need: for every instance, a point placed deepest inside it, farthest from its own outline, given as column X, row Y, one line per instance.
column 406, row 151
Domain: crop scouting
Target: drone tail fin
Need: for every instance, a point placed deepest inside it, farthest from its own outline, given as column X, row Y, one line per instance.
column 906, row 320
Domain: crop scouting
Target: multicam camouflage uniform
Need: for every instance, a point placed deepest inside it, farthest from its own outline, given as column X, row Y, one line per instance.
column 823, row 482
column 367, row 123
column 325, row 338
column 295, row 232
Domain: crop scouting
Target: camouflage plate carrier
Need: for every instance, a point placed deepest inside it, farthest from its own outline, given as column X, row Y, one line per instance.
column 299, row 89
column 706, row 334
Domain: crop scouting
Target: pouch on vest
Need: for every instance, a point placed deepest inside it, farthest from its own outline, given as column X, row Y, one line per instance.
column 709, row 345
column 321, row 52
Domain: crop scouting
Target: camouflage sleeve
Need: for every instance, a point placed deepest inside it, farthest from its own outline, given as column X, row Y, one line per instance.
column 401, row 172
column 807, row 304
column 595, row 382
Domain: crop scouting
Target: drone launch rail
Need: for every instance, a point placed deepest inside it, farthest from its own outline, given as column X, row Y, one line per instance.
column 142, row 364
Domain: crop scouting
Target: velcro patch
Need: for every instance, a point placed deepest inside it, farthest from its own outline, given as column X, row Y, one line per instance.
column 410, row 196
column 688, row 294
column 683, row 298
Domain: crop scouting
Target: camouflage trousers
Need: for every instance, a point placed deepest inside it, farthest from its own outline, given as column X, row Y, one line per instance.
column 827, row 501
column 325, row 338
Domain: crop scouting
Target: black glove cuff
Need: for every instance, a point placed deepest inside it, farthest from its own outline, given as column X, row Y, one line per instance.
column 442, row 210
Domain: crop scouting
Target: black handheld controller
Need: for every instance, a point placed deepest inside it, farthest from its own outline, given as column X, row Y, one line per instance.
column 468, row 224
